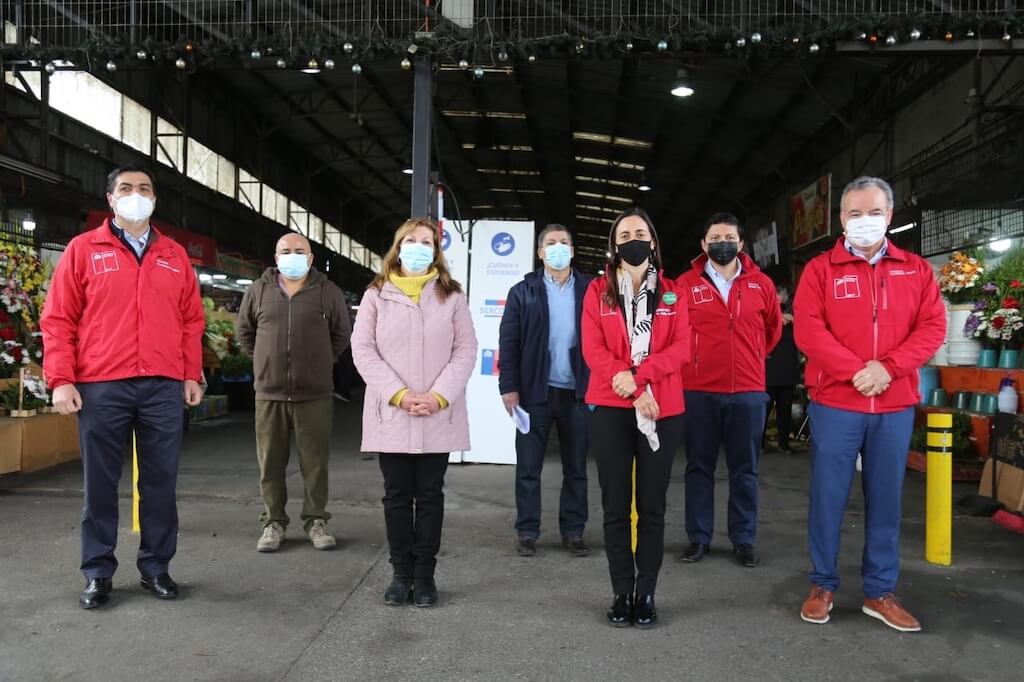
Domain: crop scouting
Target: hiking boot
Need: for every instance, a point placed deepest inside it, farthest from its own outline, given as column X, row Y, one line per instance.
column 319, row 536
column 273, row 536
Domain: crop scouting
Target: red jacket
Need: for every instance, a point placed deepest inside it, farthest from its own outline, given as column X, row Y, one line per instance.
column 606, row 349
column 847, row 312
column 107, row 317
column 730, row 339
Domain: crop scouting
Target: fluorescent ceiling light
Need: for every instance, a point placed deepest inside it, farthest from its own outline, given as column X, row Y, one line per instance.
column 312, row 66
column 499, row 147
column 615, row 141
column 408, row 171
column 518, row 191
column 903, row 228
column 1000, row 245
column 606, row 181
column 609, row 197
column 28, row 225
column 244, row 282
column 681, row 87
column 220, row 276
column 501, row 171
column 204, row 277
column 484, row 114
column 609, row 162
column 644, row 187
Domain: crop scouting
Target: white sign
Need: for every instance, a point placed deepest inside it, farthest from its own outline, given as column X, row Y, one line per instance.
column 502, row 254
column 766, row 246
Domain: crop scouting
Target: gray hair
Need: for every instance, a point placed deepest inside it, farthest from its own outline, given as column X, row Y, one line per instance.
column 552, row 227
column 865, row 182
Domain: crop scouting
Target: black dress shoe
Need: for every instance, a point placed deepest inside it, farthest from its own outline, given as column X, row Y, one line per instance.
column 620, row 615
column 424, row 592
column 161, row 586
column 695, row 552
column 746, row 555
column 645, row 616
column 96, row 593
column 526, row 546
column 576, row 546
column 399, row 592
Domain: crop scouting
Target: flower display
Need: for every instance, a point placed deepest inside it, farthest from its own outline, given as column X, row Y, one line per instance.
column 958, row 277
column 996, row 316
column 23, row 279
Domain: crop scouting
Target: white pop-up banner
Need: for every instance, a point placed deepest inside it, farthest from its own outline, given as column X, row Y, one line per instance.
column 502, row 253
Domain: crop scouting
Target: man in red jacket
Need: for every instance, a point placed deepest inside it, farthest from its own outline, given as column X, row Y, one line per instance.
column 735, row 320
column 122, row 330
column 867, row 315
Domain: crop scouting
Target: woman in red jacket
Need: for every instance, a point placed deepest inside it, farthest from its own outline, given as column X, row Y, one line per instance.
column 636, row 339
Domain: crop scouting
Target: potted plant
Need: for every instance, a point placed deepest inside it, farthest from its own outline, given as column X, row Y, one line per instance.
column 960, row 281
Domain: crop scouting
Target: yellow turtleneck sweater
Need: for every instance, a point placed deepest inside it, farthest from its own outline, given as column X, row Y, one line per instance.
column 413, row 287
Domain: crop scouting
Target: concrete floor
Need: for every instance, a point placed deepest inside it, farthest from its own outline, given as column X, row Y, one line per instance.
column 306, row 615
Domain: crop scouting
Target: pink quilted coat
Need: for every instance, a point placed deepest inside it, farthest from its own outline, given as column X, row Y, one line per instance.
column 431, row 346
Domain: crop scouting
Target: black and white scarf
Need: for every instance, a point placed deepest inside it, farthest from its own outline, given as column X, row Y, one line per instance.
column 639, row 313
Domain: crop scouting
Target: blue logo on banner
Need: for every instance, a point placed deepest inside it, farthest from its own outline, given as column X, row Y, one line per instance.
column 503, row 244
column 446, row 239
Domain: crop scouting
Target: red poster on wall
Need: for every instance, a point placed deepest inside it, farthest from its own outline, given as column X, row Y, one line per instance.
column 810, row 212
column 202, row 250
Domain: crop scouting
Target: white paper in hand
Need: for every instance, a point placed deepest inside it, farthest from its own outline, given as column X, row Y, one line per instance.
column 521, row 418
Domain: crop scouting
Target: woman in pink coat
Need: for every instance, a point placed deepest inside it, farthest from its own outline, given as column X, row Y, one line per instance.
column 414, row 345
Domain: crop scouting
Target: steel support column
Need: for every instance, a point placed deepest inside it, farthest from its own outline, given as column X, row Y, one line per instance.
column 422, row 123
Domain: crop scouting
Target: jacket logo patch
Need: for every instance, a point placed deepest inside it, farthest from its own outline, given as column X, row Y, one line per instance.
column 847, row 286
column 701, row 294
column 164, row 264
column 669, row 298
column 753, row 285
column 895, row 273
column 104, row 262
column 665, row 312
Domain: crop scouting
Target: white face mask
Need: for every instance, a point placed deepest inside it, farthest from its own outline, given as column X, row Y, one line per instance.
column 134, row 207
column 866, row 230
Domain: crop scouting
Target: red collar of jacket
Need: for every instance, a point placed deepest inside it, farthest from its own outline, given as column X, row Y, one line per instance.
column 104, row 234
column 840, row 254
column 747, row 264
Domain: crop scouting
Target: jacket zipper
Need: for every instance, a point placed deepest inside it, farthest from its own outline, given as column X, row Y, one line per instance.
column 696, row 349
column 874, row 327
column 732, row 335
column 288, row 349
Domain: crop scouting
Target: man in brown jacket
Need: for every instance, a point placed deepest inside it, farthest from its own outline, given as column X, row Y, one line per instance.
column 294, row 322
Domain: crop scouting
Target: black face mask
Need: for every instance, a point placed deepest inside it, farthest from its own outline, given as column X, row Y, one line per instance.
column 635, row 252
column 723, row 253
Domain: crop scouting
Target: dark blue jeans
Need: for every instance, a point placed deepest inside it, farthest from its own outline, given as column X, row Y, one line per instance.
column 111, row 410
column 569, row 416
column 837, row 436
column 735, row 422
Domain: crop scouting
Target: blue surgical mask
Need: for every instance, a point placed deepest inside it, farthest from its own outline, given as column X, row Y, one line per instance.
column 557, row 256
column 293, row 265
column 416, row 257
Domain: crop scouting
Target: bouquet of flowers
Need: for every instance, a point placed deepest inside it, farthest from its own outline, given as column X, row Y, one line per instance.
column 958, row 277
column 22, row 291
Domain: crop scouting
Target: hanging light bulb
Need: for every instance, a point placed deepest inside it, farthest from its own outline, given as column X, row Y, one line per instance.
column 50, row 67
column 329, row 64
column 532, row 58
column 180, row 63
column 814, row 48
column 111, row 66
column 463, row 64
column 970, row 33
column 662, row 45
column 949, row 36
column 890, row 41
column 312, row 66
column 28, row 224
column 348, row 48
column 741, row 42
column 915, row 34
column 1006, row 35
column 141, row 54
column 502, row 56
column 629, row 46
column 406, row 63
column 681, row 86
column 281, row 63
column 478, row 72
column 356, row 69
column 255, row 54
column 755, row 38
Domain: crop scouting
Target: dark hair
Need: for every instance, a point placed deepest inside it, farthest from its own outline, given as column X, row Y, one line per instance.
column 723, row 218
column 553, row 227
column 129, row 168
column 611, row 290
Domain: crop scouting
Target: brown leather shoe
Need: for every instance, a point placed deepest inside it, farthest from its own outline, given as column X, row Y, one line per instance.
column 888, row 610
column 817, row 605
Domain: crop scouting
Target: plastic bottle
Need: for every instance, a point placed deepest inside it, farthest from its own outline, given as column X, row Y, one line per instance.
column 1007, row 396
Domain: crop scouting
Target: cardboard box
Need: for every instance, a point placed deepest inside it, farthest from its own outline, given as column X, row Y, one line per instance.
column 10, row 446
column 47, row 440
column 1009, row 485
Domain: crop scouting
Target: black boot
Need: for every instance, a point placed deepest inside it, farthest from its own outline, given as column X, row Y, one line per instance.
column 424, row 591
column 644, row 614
column 620, row 615
column 399, row 591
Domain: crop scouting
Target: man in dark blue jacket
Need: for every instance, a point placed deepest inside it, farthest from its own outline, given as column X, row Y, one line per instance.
column 542, row 371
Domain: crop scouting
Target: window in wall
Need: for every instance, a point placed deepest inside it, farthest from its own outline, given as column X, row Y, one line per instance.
column 275, row 205
column 332, row 238
column 136, row 125
column 298, row 218
column 346, row 246
column 360, row 254
column 86, row 98
column 316, row 229
column 375, row 262
column 248, row 190
column 202, row 164
column 10, row 33
column 31, row 77
column 170, row 144
column 225, row 177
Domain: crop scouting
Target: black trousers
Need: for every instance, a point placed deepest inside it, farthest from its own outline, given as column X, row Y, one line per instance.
column 413, row 510
column 616, row 443
column 111, row 410
column 782, row 398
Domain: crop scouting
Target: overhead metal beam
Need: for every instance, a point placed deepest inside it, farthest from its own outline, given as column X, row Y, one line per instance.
column 422, row 128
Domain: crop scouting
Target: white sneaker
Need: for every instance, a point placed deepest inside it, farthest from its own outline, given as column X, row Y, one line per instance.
column 273, row 536
column 319, row 536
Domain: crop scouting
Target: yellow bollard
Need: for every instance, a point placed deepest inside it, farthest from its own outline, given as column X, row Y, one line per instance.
column 938, row 545
column 136, row 526
column 634, row 518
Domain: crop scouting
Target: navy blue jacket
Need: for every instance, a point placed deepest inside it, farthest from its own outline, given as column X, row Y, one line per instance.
column 524, row 364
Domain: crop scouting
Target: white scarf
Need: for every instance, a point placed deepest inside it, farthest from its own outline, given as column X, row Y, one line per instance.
column 639, row 311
